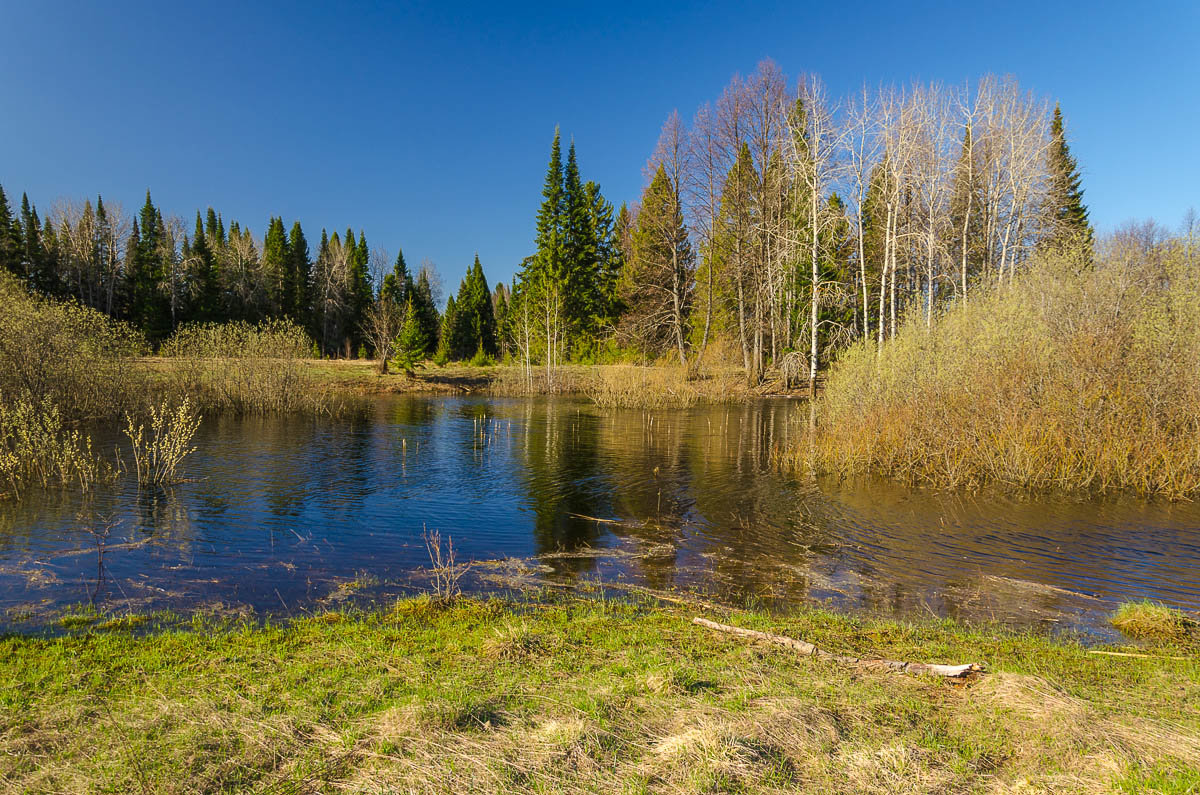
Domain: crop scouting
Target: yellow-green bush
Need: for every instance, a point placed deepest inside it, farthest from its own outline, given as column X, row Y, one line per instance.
column 69, row 356
column 243, row 368
column 1076, row 376
column 38, row 449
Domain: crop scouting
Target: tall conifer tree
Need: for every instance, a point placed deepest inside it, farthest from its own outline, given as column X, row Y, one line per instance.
column 275, row 268
column 1067, row 209
column 398, row 284
column 579, row 248
column 208, row 284
column 426, row 313
column 31, row 246
column 10, row 237
column 299, row 271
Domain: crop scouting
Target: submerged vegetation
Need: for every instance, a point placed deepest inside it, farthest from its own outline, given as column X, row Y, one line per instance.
column 1078, row 374
column 582, row 696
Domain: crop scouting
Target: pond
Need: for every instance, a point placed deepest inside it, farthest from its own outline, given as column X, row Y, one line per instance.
column 290, row 514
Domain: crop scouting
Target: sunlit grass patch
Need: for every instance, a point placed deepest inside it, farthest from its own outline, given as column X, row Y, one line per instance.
column 82, row 616
column 1164, row 778
column 1147, row 620
column 575, row 695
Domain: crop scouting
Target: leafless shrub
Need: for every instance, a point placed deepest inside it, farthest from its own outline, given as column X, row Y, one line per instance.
column 242, row 368
column 447, row 573
column 1072, row 377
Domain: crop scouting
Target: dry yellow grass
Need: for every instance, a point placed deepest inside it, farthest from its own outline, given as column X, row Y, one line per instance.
column 1074, row 377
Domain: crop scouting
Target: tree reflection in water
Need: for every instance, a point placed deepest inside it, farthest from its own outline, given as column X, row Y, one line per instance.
column 283, row 510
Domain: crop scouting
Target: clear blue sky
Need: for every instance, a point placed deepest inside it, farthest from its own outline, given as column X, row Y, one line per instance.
column 428, row 125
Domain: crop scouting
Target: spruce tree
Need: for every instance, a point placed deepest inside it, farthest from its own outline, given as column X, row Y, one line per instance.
column 30, row 258
column 500, row 310
column 397, row 284
column 147, row 309
column 579, row 247
column 10, row 237
column 322, row 318
column 412, row 344
column 204, row 270
column 1068, row 213
column 275, row 268
column 215, row 230
column 361, row 292
column 448, row 334
column 49, row 265
column 543, row 281
column 550, row 239
column 133, row 245
column 473, row 328
column 299, row 271
column 426, row 312
column 607, row 252
column 623, row 243
column 660, row 279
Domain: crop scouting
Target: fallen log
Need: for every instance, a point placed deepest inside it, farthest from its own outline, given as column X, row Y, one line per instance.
column 809, row 650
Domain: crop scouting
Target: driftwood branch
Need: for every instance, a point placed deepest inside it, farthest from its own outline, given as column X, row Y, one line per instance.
column 809, row 650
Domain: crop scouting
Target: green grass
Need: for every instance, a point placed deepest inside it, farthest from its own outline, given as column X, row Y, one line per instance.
column 1146, row 620
column 1160, row 778
column 581, row 696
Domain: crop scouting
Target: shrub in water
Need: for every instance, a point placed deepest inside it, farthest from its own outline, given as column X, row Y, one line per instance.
column 158, row 452
column 36, row 448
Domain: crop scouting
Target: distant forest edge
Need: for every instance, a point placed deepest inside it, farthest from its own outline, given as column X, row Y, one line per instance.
column 779, row 225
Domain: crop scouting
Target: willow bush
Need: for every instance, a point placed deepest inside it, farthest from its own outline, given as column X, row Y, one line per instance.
column 65, row 355
column 61, row 365
column 159, row 450
column 243, row 368
column 1075, row 376
column 38, row 449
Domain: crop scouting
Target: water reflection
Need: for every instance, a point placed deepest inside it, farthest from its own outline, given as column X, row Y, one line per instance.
column 278, row 511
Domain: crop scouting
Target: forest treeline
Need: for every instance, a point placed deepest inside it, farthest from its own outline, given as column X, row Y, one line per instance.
column 158, row 273
column 781, row 225
column 782, row 220
column 777, row 227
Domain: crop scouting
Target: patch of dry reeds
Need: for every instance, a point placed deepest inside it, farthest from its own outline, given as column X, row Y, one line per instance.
column 1076, row 376
column 244, row 368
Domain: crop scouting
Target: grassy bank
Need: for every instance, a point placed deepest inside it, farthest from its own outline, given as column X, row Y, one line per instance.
column 608, row 385
column 1079, row 375
column 583, row 696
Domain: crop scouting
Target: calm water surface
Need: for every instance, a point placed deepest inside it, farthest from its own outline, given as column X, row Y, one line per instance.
column 279, row 514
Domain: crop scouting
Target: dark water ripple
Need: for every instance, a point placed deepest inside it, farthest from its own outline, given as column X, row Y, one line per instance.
column 280, row 512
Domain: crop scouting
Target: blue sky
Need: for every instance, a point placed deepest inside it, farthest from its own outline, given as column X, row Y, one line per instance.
column 429, row 125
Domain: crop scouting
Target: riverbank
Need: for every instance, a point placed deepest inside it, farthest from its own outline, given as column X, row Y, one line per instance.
column 607, row 384
column 573, row 695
